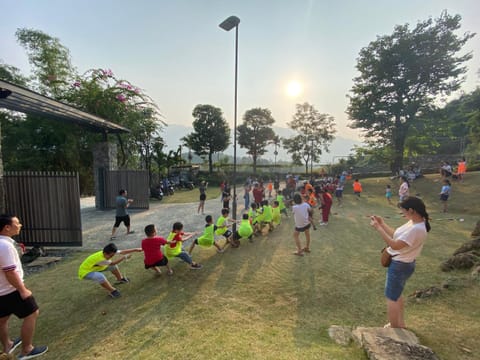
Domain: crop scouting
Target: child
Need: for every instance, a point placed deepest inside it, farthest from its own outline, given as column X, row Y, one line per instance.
column 281, row 202
column 266, row 217
column 388, row 194
column 357, row 187
column 326, row 199
column 445, row 193
column 270, row 188
column 208, row 237
column 276, row 215
column 301, row 214
column 153, row 256
column 339, row 192
column 176, row 238
column 92, row 267
column 245, row 229
column 222, row 225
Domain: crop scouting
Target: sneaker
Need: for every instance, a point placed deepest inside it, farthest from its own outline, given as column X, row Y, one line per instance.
column 36, row 351
column 323, row 223
column 170, row 272
column 115, row 294
column 113, row 238
column 131, row 232
column 123, row 280
column 16, row 343
column 196, row 266
column 220, row 251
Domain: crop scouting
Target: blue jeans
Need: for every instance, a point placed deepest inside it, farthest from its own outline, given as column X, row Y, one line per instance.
column 397, row 275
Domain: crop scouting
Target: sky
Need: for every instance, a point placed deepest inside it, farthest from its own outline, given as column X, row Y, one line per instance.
column 176, row 52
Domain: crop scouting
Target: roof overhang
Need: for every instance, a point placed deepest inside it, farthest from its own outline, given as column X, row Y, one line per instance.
column 17, row 98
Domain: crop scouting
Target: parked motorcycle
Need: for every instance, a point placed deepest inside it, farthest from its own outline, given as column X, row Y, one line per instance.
column 156, row 192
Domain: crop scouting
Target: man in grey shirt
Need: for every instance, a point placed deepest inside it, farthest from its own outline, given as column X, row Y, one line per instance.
column 121, row 214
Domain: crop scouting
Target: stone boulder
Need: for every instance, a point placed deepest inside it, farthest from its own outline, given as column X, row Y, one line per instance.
column 461, row 261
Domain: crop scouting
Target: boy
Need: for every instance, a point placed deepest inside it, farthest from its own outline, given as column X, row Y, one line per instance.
column 222, row 225
column 357, row 187
column 92, row 267
column 253, row 217
column 151, row 246
column 176, row 238
column 245, row 230
column 276, row 215
column 208, row 237
column 267, row 217
column 281, row 202
column 301, row 214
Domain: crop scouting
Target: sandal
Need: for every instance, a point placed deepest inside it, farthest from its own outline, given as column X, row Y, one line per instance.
column 298, row 253
column 307, row 250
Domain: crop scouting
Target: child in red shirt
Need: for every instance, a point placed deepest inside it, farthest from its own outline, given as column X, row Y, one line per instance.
column 151, row 247
column 326, row 199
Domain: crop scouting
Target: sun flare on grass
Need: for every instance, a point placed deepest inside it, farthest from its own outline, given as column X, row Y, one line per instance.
column 294, row 88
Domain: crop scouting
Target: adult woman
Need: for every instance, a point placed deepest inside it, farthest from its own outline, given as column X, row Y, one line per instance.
column 403, row 192
column 203, row 196
column 405, row 245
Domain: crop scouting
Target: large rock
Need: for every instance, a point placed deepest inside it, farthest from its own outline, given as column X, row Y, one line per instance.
column 468, row 246
column 460, row 261
column 391, row 344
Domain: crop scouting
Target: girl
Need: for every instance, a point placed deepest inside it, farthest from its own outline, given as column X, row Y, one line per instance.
column 445, row 193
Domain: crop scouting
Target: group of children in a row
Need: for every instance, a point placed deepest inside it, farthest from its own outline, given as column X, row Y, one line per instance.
column 259, row 218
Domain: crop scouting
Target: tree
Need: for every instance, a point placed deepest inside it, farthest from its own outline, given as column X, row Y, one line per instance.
column 255, row 133
column 315, row 132
column 50, row 61
column 401, row 76
column 210, row 134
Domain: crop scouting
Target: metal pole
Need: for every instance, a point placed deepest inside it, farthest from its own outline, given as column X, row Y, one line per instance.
column 234, row 203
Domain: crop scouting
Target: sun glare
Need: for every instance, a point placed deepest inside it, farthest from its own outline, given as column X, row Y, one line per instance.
column 294, row 88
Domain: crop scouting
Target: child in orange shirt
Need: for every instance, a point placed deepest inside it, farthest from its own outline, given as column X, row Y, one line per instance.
column 357, row 187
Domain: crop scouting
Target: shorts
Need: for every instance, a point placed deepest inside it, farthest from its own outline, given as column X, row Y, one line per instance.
column 119, row 219
column 97, row 276
column 397, row 275
column 443, row 197
column 14, row 304
column 338, row 193
column 302, row 229
column 162, row 262
column 227, row 234
column 203, row 197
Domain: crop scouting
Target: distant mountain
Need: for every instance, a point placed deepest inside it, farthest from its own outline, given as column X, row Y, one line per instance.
column 340, row 147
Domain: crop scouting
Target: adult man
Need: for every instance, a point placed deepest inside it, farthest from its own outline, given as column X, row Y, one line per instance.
column 15, row 298
column 121, row 214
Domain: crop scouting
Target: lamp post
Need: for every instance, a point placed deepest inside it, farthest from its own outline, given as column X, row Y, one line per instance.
column 227, row 25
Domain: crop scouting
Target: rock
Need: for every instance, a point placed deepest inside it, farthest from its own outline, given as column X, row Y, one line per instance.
column 460, row 261
column 342, row 335
column 468, row 246
column 476, row 273
column 425, row 293
column 476, row 231
column 391, row 344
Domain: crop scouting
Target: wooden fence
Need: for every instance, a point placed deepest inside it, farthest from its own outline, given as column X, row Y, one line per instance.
column 136, row 182
column 48, row 206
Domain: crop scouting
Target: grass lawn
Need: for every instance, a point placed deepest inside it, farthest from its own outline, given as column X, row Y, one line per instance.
column 261, row 302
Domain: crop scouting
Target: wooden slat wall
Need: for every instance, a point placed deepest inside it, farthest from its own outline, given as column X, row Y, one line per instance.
column 136, row 182
column 47, row 204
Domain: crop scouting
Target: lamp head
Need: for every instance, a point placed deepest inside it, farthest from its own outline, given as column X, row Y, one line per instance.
column 229, row 23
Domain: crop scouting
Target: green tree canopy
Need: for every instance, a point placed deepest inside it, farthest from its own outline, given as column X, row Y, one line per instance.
column 401, row 76
column 211, row 133
column 256, row 133
column 315, row 132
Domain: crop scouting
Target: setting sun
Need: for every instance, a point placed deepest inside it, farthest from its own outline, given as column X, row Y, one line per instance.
column 294, row 88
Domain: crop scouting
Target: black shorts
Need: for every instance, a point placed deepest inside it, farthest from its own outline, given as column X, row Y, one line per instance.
column 162, row 262
column 203, row 197
column 227, row 234
column 302, row 229
column 443, row 197
column 14, row 304
column 119, row 219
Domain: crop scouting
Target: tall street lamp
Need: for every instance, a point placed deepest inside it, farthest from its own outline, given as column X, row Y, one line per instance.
column 227, row 25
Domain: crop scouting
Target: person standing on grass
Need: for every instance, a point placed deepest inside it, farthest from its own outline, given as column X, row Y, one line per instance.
column 461, row 169
column 326, row 200
column 15, row 297
column 445, row 193
column 301, row 214
column 388, row 194
column 121, row 213
column 357, row 187
column 403, row 191
column 92, row 267
column 203, row 196
column 404, row 244
column 176, row 238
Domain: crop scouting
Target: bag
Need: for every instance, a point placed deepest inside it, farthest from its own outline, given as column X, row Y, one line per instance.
column 385, row 257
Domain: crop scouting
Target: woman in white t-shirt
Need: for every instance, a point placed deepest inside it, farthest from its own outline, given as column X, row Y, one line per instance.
column 404, row 244
column 403, row 191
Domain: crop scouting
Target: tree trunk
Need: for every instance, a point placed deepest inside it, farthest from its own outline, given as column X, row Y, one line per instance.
column 210, row 163
column 254, row 159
